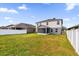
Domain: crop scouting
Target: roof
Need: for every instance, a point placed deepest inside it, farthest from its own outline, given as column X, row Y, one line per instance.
column 54, row 19
column 77, row 26
column 20, row 25
column 23, row 25
column 3, row 27
column 10, row 25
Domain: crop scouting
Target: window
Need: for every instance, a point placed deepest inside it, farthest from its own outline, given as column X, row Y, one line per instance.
column 51, row 30
column 47, row 23
column 58, row 22
column 56, row 30
column 48, row 30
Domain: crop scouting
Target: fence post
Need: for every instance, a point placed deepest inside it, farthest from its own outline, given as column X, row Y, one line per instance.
column 77, row 40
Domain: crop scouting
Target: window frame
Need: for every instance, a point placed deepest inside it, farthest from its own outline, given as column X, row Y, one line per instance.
column 56, row 30
column 58, row 23
column 46, row 23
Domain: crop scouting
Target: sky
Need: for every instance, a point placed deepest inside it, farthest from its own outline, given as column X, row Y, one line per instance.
column 14, row 13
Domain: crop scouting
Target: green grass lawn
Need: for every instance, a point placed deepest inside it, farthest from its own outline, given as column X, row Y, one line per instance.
column 35, row 45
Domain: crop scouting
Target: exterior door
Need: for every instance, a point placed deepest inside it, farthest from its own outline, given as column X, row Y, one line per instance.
column 48, row 30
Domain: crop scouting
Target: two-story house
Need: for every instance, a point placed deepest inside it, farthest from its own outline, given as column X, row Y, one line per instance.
column 50, row 26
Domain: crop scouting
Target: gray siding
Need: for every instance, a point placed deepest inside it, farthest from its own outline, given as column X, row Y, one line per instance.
column 51, row 24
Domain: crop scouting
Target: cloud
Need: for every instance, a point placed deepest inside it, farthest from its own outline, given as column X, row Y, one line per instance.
column 66, row 19
column 78, row 15
column 71, row 6
column 69, row 25
column 47, row 3
column 33, row 17
column 7, row 18
column 23, row 7
column 8, row 10
column 10, row 21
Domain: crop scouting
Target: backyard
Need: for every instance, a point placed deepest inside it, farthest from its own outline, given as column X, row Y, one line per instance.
column 35, row 45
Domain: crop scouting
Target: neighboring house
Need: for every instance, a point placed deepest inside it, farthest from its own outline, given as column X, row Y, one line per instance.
column 73, row 27
column 10, row 26
column 50, row 26
column 3, row 27
column 21, row 26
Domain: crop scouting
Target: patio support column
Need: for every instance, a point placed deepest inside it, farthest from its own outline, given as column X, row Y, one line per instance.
column 50, row 30
column 15, row 27
column 45, row 30
column 37, row 28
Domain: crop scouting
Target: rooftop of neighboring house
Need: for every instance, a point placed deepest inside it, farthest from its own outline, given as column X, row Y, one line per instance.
column 3, row 27
column 11, row 25
column 23, row 25
column 54, row 19
column 74, row 27
column 20, row 25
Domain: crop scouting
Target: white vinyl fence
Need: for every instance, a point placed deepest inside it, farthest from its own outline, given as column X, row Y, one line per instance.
column 73, row 36
column 4, row 32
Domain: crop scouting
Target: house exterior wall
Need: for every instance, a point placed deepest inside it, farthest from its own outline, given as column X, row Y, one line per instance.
column 53, row 31
column 30, row 30
column 53, row 25
column 43, row 23
column 58, row 31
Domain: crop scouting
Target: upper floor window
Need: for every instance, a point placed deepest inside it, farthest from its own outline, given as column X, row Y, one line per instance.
column 58, row 22
column 47, row 23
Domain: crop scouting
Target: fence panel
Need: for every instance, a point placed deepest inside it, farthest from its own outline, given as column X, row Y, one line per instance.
column 73, row 36
column 77, row 40
column 4, row 32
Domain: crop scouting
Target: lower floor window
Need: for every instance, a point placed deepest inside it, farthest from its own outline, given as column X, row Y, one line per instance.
column 56, row 30
column 51, row 30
